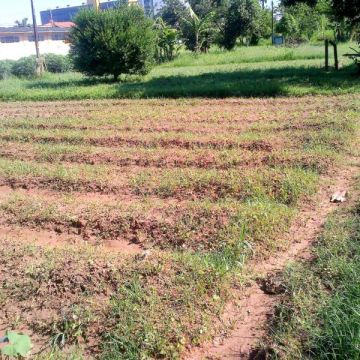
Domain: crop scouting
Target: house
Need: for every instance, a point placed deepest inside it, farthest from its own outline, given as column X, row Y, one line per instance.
column 52, row 31
column 69, row 12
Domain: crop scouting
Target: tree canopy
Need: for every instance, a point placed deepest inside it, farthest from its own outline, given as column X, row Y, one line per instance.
column 113, row 42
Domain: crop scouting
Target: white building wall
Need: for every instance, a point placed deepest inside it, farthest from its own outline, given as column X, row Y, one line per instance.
column 14, row 51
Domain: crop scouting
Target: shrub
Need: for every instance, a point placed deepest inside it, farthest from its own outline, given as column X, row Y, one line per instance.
column 57, row 63
column 5, row 68
column 24, row 67
column 113, row 42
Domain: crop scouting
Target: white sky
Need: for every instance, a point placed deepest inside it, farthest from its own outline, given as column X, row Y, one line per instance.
column 11, row 10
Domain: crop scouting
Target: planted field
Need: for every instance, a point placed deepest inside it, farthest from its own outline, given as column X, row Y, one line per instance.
column 125, row 224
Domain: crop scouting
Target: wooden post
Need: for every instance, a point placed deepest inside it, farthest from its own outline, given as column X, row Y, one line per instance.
column 336, row 56
column 326, row 55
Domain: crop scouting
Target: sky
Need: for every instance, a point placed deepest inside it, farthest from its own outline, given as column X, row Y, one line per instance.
column 11, row 10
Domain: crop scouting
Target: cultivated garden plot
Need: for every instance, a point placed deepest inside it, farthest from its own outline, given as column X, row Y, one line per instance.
column 125, row 225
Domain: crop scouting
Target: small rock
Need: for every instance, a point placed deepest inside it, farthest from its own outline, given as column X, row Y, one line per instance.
column 273, row 284
column 145, row 254
column 338, row 196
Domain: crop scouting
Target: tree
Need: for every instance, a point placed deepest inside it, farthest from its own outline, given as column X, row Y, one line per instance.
column 172, row 12
column 113, row 42
column 197, row 32
column 261, row 27
column 22, row 23
column 288, row 26
column 241, row 19
column 167, row 42
column 348, row 9
column 342, row 10
column 307, row 18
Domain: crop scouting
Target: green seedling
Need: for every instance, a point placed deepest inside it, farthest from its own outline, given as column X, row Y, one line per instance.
column 18, row 345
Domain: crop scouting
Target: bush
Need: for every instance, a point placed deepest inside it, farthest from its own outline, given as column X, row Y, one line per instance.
column 113, row 42
column 5, row 68
column 24, row 67
column 243, row 18
column 57, row 63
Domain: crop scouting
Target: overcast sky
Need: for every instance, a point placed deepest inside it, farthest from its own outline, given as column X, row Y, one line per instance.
column 11, row 10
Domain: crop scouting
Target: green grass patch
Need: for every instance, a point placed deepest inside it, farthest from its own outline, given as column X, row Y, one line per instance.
column 319, row 316
column 252, row 72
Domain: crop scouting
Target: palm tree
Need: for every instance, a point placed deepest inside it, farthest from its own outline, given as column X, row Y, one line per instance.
column 22, row 23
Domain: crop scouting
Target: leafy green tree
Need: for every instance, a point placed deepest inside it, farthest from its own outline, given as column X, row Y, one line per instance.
column 348, row 9
column 203, row 7
column 168, row 41
column 172, row 12
column 288, row 26
column 261, row 27
column 241, row 19
column 197, row 32
column 343, row 15
column 307, row 18
column 113, row 42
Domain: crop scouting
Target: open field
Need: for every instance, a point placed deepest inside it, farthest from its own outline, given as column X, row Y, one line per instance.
column 247, row 71
column 114, row 213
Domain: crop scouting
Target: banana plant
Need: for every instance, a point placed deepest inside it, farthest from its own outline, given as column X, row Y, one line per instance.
column 198, row 27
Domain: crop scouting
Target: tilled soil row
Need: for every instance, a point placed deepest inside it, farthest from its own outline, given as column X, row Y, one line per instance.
column 256, row 145
column 172, row 160
column 59, row 184
column 174, row 228
column 198, row 130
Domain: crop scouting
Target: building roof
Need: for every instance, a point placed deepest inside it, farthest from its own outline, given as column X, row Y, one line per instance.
column 59, row 24
column 41, row 28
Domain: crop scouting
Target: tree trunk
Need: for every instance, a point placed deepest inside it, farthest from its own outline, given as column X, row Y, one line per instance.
column 197, row 50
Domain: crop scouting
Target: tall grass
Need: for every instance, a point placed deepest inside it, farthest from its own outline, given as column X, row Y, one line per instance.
column 251, row 54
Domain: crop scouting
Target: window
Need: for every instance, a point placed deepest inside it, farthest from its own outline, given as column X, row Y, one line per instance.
column 9, row 39
column 41, row 37
column 58, row 36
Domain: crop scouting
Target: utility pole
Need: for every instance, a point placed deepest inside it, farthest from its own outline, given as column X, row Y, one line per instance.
column 39, row 61
column 272, row 22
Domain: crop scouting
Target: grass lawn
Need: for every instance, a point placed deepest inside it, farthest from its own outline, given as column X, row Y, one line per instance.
column 248, row 72
column 116, row 212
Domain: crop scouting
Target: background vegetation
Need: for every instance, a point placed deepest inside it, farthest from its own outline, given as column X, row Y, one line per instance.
column 245, row 71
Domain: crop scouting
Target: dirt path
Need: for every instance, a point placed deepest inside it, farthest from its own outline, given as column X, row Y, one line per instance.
column 248, row 314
